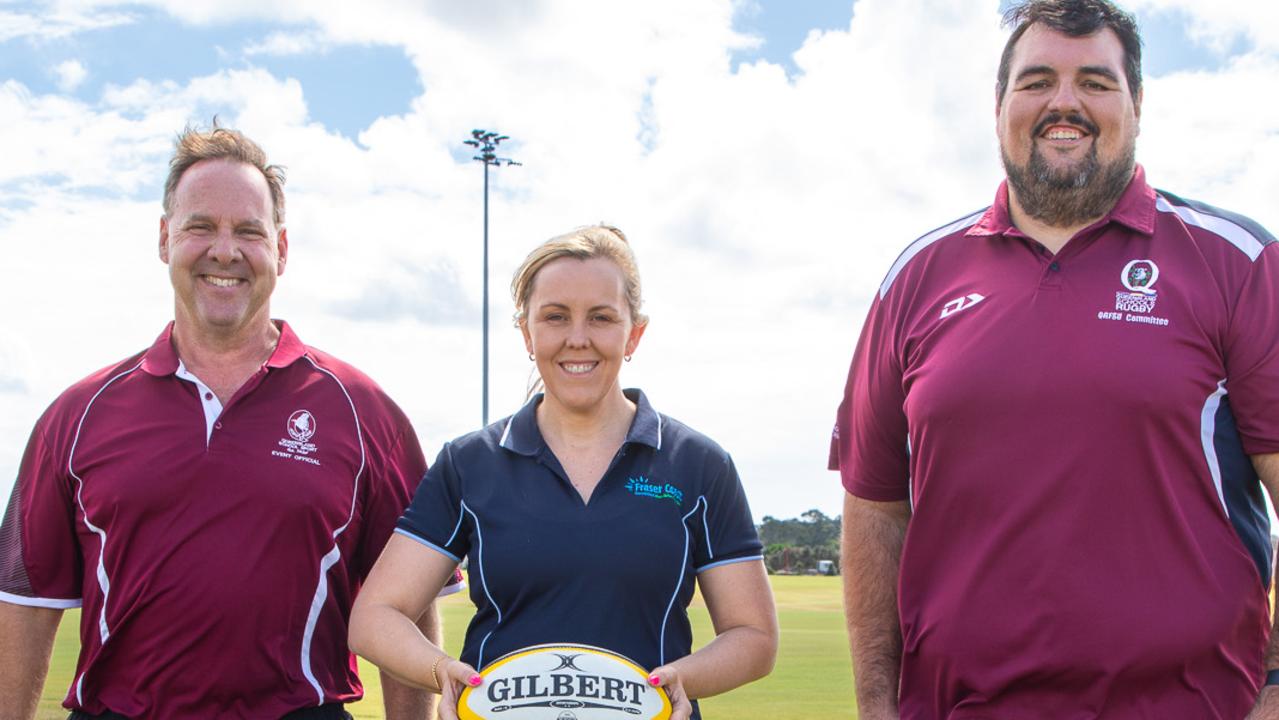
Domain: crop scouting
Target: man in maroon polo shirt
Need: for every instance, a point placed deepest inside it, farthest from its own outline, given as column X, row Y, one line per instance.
column 1059, row 425
column 214, row 502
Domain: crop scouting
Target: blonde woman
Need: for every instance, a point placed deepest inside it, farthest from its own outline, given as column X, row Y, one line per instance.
column 588, row 516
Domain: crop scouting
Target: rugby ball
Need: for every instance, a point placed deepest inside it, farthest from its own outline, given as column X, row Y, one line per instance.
column 563, row 682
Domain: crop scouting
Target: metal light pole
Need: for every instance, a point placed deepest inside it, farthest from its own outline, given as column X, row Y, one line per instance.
column 486, row 142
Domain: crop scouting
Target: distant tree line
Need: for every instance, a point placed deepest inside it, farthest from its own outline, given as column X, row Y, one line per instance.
column 798, row 545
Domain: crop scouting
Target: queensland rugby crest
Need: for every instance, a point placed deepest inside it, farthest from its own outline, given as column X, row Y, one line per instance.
column 1139, row 277
column 1136, row 302
column 300, row 428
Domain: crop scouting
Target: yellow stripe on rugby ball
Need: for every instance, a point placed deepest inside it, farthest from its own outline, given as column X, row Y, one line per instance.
column 564, row 681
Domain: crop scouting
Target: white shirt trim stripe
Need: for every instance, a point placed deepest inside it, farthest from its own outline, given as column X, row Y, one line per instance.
column 479, row 563
column 661, row 637
column 1227, row 230
column 104, row 582
column 918, row 246
column 331, row 558
column 1207, row 433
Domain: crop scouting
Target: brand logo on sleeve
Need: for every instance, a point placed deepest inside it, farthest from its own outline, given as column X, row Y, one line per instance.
column 643, row 487
column 300, row 427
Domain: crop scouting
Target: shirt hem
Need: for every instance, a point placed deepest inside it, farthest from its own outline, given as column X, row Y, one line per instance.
column 433, row 546
column 52, row 603
column 730, row 561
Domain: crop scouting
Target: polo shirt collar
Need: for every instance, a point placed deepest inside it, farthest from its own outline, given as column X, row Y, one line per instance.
column 162, row 357
column 1135, row 209
column 522, row 435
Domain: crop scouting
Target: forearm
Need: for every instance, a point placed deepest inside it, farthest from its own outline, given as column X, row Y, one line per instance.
column 404, row 702
column 391, row 640
column 27, row 635
column 872, row 538
column 735, row 657
column 1267, row 707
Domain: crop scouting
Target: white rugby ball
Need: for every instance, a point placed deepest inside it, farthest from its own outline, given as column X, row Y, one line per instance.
column 563, row 682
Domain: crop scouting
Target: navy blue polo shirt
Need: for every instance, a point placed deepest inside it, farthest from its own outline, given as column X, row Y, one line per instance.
column 617, row 572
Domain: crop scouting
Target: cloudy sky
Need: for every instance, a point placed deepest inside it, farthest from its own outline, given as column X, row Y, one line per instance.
column 768, row 159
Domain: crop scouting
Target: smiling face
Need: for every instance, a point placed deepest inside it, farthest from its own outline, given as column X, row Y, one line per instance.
column 223, row 249
column 578, row 326
column 1067, row 125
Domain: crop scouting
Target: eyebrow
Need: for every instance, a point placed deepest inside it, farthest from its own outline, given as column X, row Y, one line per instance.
column 1101, row 70
column 562, row 306
column 201, row 217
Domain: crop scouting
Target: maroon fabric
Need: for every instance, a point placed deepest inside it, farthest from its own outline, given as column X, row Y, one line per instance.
column 198, row 564
column 1069, row 553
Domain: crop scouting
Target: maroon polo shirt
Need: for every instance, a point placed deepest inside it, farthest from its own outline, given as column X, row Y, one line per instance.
column 1088, row 538
column 216, row 551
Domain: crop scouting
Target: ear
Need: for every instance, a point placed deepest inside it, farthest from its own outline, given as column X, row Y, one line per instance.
column 632, row 341
column 164, row 239
column 282, row 249
column 528, row 339
column 1136, row 108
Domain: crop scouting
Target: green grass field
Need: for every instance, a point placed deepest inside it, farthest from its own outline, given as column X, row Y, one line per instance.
column 812, row 680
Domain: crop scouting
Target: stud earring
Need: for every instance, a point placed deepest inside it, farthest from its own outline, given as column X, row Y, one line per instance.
column 530, row 357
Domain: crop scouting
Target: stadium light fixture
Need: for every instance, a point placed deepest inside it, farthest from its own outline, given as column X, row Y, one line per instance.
column 486, row 142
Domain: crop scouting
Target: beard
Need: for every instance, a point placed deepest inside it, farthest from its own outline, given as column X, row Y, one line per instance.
column 1072, row 195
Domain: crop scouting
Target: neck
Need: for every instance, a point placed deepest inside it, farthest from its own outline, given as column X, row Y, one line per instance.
column 608, row 421
column 226, row 353
column 1053, row 237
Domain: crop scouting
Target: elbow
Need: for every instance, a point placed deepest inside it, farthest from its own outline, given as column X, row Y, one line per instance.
column 358, row 635
column 770, row 642
column 764, row 643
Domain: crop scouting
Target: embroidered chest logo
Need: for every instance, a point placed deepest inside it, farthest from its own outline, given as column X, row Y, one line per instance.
column 1138, row 278
column 643, row 487
column 961, row 303
column 301, row 427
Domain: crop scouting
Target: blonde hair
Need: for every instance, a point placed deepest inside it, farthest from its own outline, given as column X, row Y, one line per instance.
column 584, row 243
column 194, row 145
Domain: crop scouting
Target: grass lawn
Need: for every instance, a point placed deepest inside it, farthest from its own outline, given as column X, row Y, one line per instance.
column 813, row 678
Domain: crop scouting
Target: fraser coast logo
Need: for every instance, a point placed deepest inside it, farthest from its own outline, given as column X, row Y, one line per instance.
column 301, row 427
column 643, row 487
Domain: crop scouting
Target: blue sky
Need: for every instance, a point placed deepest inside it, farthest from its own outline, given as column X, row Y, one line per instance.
column 768, row 160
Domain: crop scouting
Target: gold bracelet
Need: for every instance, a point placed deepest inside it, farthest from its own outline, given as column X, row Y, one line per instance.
column 434, row 676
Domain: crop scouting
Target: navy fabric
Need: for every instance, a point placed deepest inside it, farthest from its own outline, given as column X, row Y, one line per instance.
column 618, row 572
column 1242, row 491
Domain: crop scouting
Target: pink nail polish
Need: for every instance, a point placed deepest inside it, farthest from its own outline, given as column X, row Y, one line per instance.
column 654, row 680
column 475, row 680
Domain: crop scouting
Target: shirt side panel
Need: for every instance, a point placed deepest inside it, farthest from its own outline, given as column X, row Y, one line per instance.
column 1252, row 355
column 40, row 561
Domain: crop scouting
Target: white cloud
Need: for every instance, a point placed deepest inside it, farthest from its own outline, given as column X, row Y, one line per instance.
column 57, row 23
column 764, row 210
column 69, row 75
column 1218, row 25
column 286, row 43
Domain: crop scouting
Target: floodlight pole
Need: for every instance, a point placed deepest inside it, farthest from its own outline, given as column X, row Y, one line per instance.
column 486, row 143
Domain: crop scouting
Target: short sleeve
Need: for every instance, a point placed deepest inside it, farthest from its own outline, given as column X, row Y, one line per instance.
column 437, row 517
column 40, row 558
column 722, row 521
column 869, row 443
column 393, row 468
column 1252, row 356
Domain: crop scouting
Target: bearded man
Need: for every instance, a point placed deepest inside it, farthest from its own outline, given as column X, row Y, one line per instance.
column 1060, row 422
